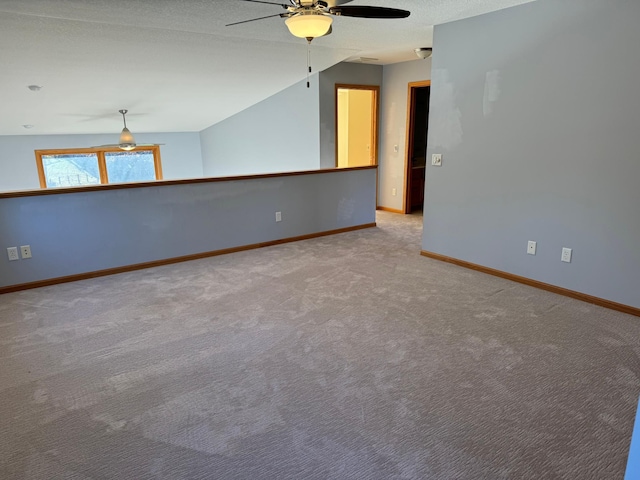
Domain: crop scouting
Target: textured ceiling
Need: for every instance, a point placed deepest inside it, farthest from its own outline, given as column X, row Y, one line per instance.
column 173, row 63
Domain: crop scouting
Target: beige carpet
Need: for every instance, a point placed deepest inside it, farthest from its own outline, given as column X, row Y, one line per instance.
column 344, row 357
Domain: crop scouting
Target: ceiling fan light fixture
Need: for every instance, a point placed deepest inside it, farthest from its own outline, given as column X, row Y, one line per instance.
column 127, row 142
column 309, row 25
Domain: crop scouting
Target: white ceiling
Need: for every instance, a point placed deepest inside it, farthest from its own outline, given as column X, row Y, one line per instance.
column 173, row 63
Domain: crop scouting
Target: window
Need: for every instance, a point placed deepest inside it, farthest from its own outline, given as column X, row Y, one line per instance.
column 93, row 166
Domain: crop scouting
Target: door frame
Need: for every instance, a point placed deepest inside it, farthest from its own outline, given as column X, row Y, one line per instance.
column 411, row 107
column 374, row 116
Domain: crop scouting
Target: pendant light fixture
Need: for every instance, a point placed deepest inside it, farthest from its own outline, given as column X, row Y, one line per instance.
column 127, row 142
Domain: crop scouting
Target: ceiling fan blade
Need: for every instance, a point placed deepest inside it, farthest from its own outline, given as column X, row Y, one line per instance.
column 259, row 18
column 368, row 12
column 268, row 3
column 117, row 145
column 335, row 3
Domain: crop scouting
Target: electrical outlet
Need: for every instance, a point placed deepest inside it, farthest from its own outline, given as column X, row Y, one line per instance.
column 531, row 247
column 25, row 251
column 394, row 192
column 278, row 216
column 12, row 253
column 566, row 255
column 436, row 159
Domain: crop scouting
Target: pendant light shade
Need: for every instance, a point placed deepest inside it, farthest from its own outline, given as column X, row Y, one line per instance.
column 127, row 142
column 309, row 25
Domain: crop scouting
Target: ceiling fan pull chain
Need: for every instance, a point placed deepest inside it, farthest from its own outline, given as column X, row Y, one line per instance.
column 308, row 60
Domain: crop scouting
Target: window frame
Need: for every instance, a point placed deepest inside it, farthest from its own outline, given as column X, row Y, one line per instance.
column 102, row 163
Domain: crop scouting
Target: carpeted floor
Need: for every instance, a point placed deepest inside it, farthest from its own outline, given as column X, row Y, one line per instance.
column 343, row 357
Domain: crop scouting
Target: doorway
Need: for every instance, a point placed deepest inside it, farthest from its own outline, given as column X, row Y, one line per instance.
column 416, row 157
column 356, row 125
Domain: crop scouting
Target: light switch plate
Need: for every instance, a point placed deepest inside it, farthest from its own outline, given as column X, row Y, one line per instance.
column 531, row 247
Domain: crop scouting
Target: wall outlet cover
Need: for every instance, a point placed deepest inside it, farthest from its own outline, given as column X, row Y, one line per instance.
column 12, row 253
column 436, row 159
column 25, row 251
column 278, row 216
column 566, row 255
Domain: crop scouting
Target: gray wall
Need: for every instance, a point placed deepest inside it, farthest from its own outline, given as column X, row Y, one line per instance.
column 393, row 127
column 349, row 73
column 87, row 231
column 290, row 131
column 181, row 156
column 279, row 134
column 538, row 125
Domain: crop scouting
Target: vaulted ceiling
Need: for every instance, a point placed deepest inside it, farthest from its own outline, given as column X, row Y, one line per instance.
column 173, row 63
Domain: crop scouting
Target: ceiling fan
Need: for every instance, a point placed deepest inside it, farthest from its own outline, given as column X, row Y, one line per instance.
column 312, row 18
column 126, row 141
